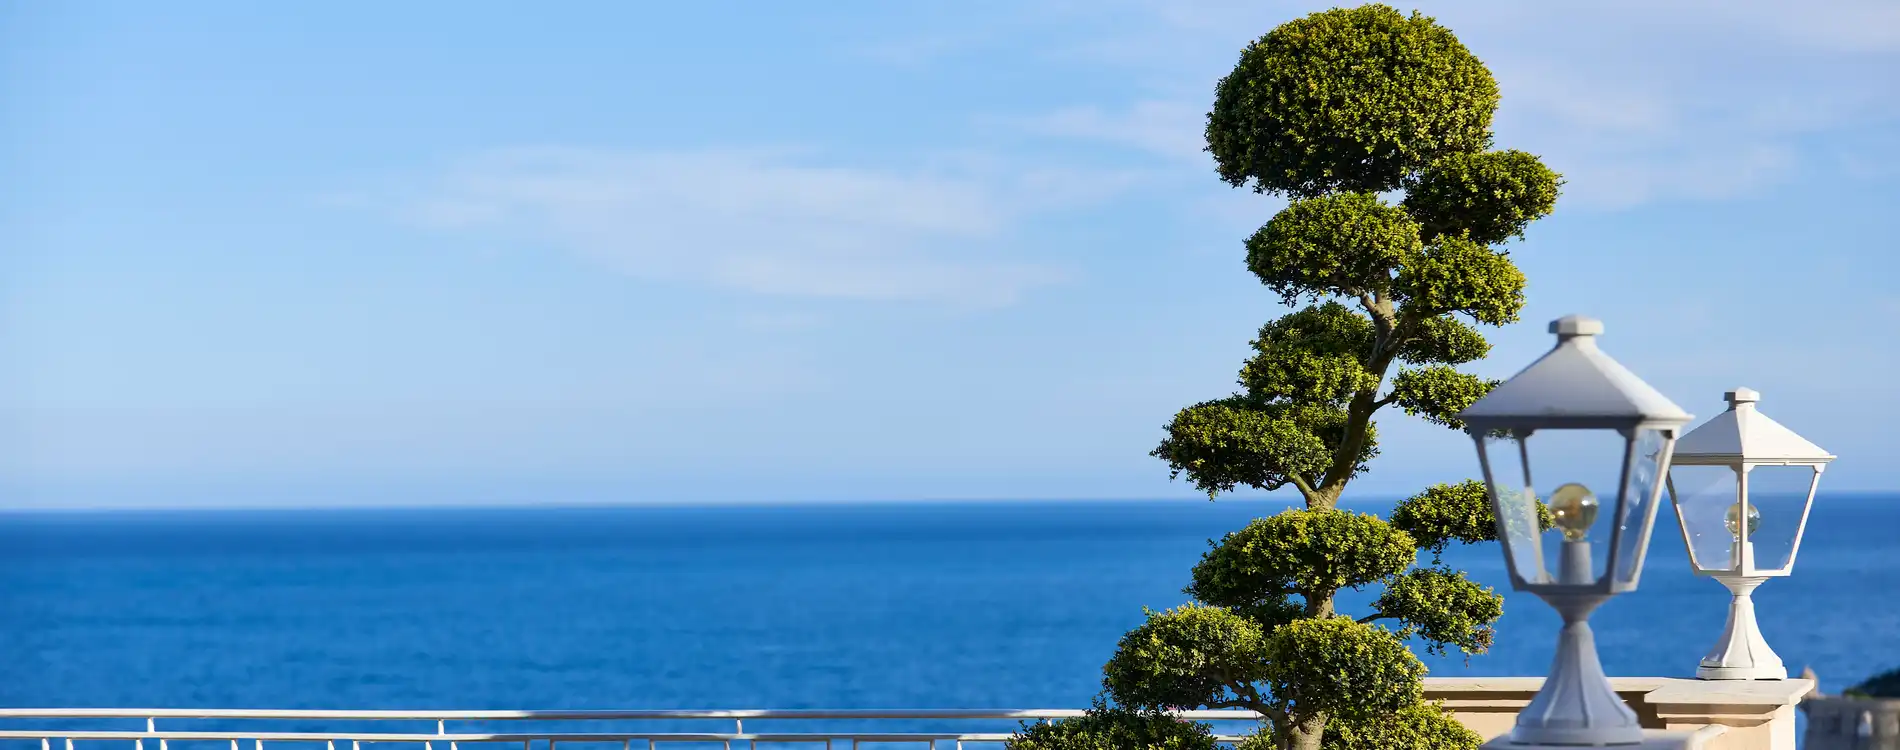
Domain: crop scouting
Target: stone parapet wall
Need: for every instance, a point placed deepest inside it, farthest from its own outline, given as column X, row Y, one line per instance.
column 1840, row 723
column 1756, row 714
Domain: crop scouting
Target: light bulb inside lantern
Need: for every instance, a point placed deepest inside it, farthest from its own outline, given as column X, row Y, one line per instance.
column 1574, row 507
column 1733, row 520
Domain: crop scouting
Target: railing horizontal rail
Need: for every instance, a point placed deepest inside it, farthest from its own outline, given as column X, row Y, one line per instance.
column 582, row 715
column 514, row 738
column 92, row 724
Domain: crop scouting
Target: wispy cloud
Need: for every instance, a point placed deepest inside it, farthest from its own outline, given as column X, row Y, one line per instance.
column 1633, row 102
column 764, row 222
column 1166, row 128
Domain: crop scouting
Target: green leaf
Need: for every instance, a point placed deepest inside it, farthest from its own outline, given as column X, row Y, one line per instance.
column 1442, row 607
column 1487, row 197
column 1438, row 393
column 1348, row 99
column 1191, row 655
column 1346, row 244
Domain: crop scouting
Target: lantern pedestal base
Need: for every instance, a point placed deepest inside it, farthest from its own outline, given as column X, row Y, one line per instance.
column 1576, row 705
column 1654, row 739
column 1741, row 653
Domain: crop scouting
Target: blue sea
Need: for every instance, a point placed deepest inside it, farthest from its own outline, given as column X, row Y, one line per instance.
column 897, row 605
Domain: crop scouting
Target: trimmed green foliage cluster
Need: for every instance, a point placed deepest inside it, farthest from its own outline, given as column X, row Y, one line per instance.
column 1348, row 101
column 1314, row 354
column 1446, row 513
column 1311, row 553
column 1487, row 197
column 1192, row 655
column 1437, row 393
column 1345, row 244
column 1112, row 728
column 1456, row 275
column 1227, row 443
column 1883, row 685
column 1443, row 608
column 1339, row 667
column 1420, row 725
column 1336, row 111
column 1443, row 339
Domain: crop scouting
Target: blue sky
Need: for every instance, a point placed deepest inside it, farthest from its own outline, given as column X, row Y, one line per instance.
column 467, row 252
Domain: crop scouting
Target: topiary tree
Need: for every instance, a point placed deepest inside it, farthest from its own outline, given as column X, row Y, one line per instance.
column 1341, row 111
column 1883, row 685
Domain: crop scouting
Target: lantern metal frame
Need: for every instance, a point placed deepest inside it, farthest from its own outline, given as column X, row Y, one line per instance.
column 1576, row 387
column 1743, row 439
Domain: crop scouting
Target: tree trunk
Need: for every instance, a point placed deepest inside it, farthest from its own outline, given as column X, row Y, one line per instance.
column 1307, row 734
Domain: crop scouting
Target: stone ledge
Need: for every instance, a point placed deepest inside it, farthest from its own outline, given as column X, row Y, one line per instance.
column 1752, row 713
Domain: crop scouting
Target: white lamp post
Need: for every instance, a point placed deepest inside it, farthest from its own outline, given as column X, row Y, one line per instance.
column 1742, row 485
column 1582, row 426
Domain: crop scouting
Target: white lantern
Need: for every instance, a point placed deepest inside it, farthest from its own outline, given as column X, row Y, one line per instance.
column 1596, row 440
column 1742, row 486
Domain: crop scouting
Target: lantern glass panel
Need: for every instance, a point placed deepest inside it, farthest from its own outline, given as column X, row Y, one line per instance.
column 1637, row 513
column 1778, row 496
column 1516, row 505
column 1567, row 465
column 1703, row 495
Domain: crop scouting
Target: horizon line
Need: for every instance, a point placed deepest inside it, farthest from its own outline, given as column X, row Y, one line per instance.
column 6, row 510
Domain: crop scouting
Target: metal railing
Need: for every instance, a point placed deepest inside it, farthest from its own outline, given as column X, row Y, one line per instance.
column 71, row 725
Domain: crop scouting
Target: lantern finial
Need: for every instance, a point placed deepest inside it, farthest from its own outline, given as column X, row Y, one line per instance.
column 1573, row 326
column 1741, row 398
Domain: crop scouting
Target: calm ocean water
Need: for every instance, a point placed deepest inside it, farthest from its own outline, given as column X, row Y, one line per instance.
column 895, row 605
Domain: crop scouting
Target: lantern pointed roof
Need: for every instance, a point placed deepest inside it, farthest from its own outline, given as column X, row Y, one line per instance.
column 1743, row 433
column 1574, row 385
